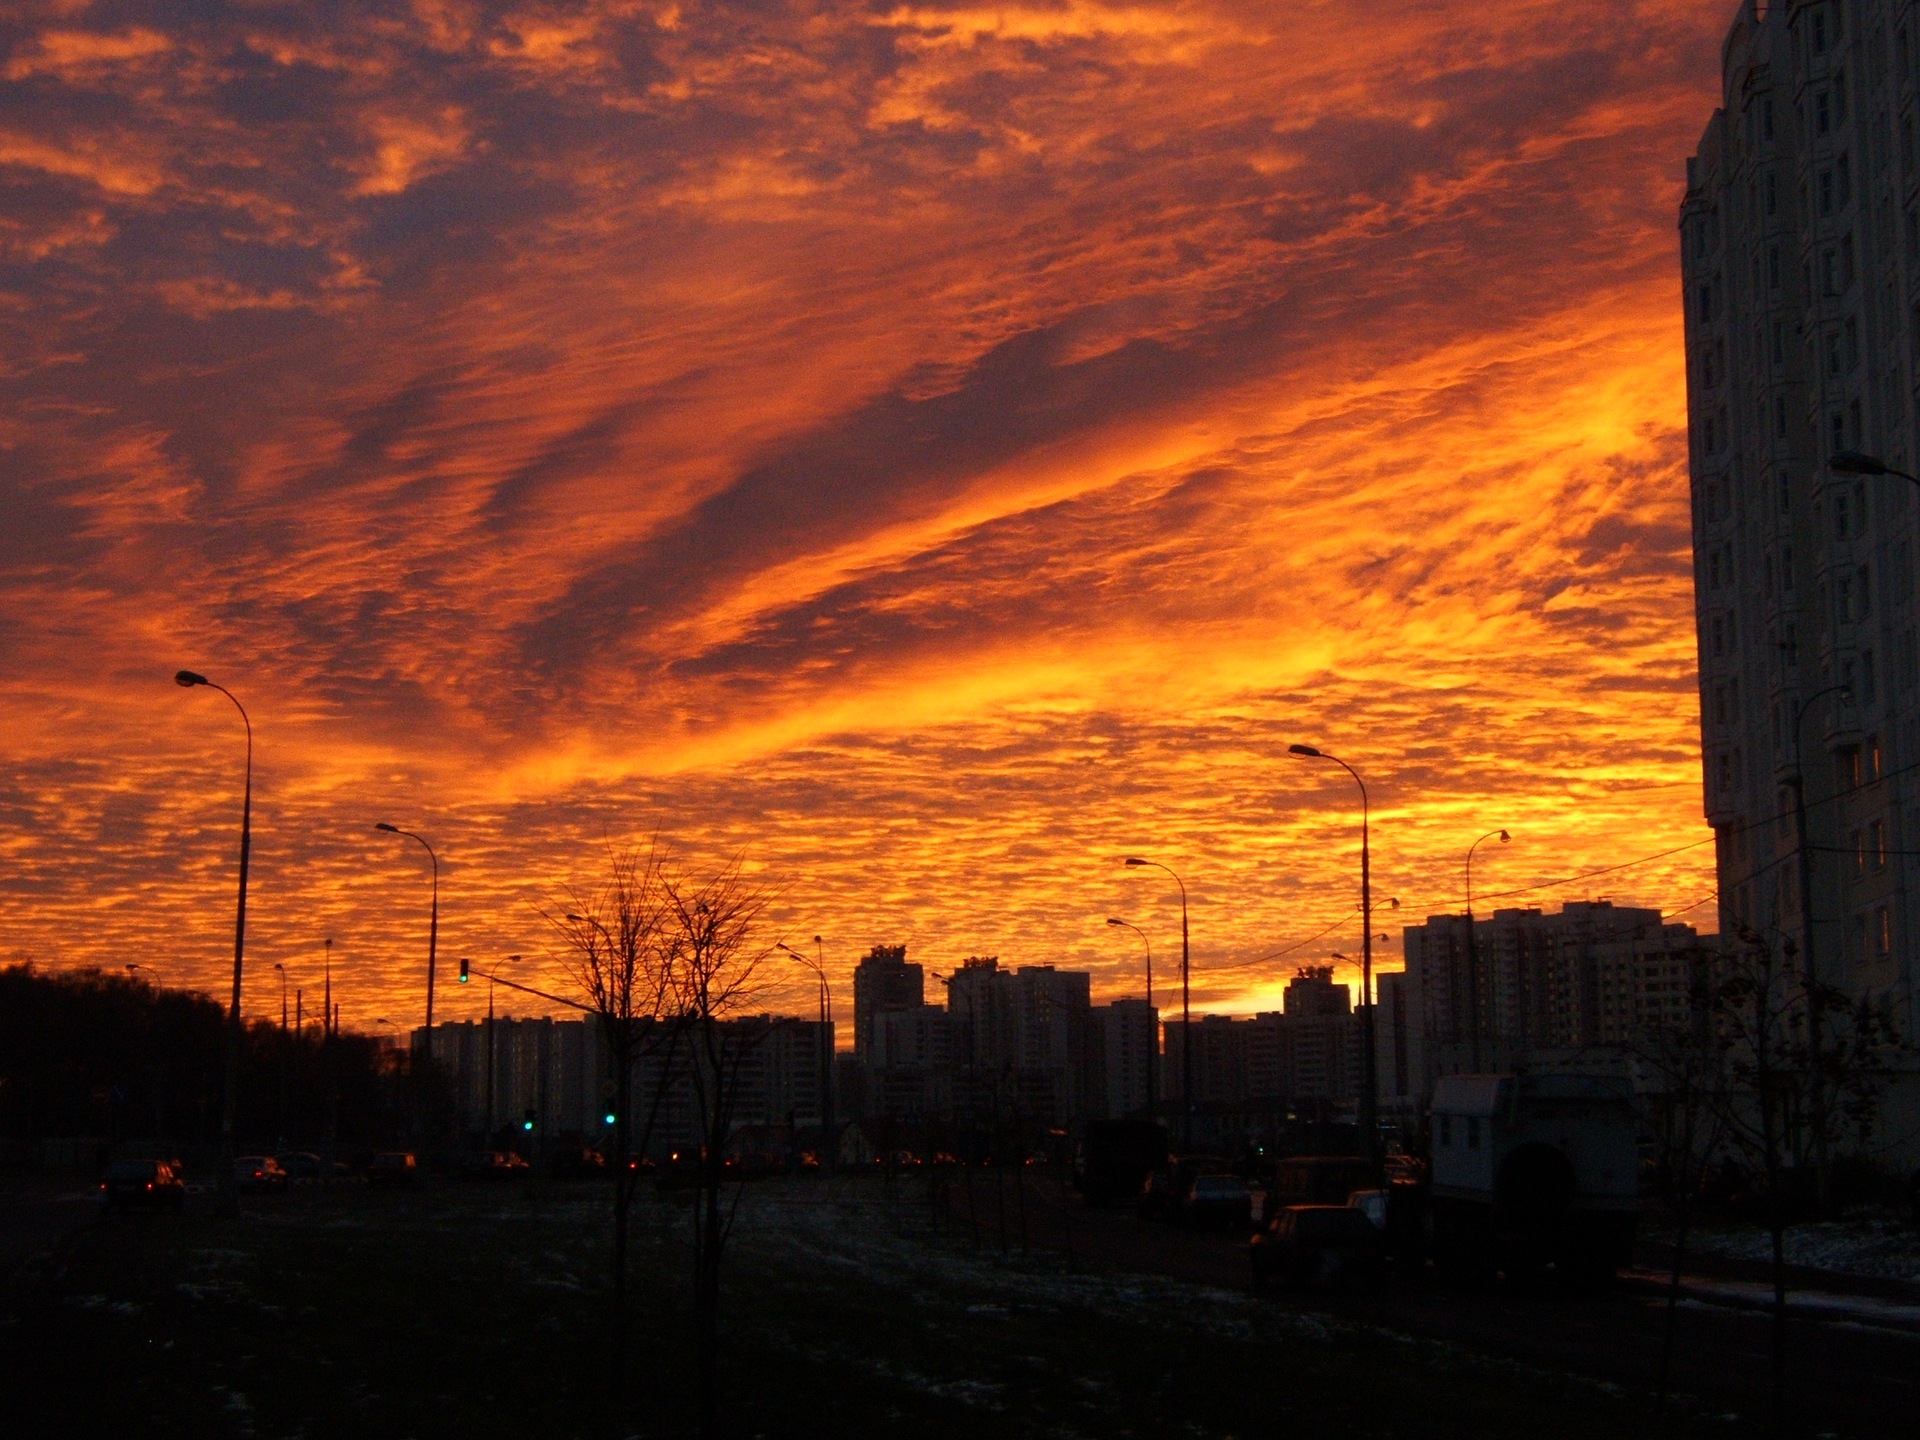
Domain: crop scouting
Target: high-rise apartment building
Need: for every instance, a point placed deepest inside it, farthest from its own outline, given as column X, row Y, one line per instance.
column 1533, row 988
column 882, row 982
column 1126, row 1034
column 1800, row 238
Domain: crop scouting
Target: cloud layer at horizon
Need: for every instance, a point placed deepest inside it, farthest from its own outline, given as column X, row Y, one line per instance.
column 931, row 450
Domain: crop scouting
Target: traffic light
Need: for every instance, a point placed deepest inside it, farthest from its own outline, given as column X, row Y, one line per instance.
column 527, row 1124
column 611, row 1117
column 463, row 969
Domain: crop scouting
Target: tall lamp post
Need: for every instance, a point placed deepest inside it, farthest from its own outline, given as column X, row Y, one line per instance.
column 433, row 923
column 817, row 964
column 491, row 974
column 283, row 995
column 1473, row 954
column 1370, row 1081
column 1134, row 862
column 229, row 1103
column 1154, row 1047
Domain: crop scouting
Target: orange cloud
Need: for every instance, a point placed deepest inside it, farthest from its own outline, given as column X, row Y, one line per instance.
column 935, row 451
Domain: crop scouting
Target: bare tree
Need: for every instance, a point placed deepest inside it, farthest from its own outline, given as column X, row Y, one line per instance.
column 717, row 951
column 1771, row 1084
column 621, row 955
column 1688, row 1065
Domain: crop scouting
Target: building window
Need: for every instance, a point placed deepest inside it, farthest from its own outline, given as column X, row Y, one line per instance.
column 1822, row 113
column 1826, row 192
column 1773, row 270
column 1877, row 844
column 1843, row 178
column 1863, row 593
column 1883, row 933
column 1786, row 568
column 1846, row 262
column 1866, row 690
column 1857, row 950
column 1780, row 433
column 1870, row 757
column 1859, row 846
column 1839, row 506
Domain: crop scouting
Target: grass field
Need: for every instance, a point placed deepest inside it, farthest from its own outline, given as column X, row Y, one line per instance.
column 481, row 1312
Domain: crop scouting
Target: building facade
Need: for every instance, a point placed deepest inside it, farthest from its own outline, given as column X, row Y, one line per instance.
column 1593, row 982
column 1800, row 240
column 883, row 982
column 556, row 1075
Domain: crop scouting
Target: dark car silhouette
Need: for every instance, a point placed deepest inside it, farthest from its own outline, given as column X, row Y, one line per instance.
column 1219, row 1200
column 143, row 1185
column 1311, row 1244
column 258, row 1174
column 391, row 1167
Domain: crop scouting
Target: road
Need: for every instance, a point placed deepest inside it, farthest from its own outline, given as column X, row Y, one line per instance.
column 1845, row 1373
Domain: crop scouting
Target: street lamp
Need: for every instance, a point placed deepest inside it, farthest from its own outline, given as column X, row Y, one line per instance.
column 1134, row 862
column 283, row 995
column 1853, row 462
column 1473, row 954
column 490, row 1041
column 1369, row 1082
column 1152, row 1049
column 433, row 924
column 817, row 964
column 229, row 1105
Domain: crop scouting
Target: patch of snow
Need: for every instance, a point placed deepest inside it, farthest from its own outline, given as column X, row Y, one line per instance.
column 1865, row 1246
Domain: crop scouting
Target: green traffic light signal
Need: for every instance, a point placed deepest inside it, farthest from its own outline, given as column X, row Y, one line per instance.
column 610, row 1118
column 463, row 971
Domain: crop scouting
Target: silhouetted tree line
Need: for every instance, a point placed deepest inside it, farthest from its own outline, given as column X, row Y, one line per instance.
column 98, row 1055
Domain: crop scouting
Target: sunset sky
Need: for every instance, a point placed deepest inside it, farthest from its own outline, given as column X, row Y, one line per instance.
column 932, row 451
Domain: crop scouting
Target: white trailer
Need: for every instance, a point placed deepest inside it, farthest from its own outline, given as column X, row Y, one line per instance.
column 1533, row 1171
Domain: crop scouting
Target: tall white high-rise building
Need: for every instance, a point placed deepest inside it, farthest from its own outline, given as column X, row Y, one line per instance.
column 1800, row 238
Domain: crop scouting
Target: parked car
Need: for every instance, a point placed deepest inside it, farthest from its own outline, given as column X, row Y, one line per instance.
column 493, row 1165
column 1320, row 1179
column 302, row 1165
column 1114, row 1158
column 143, row 1185
column 391, row 1167
column 1163, row 1194
column 1218, row 1200
column 576, row 1162
column 258, row 1174
column 1311, row 1244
